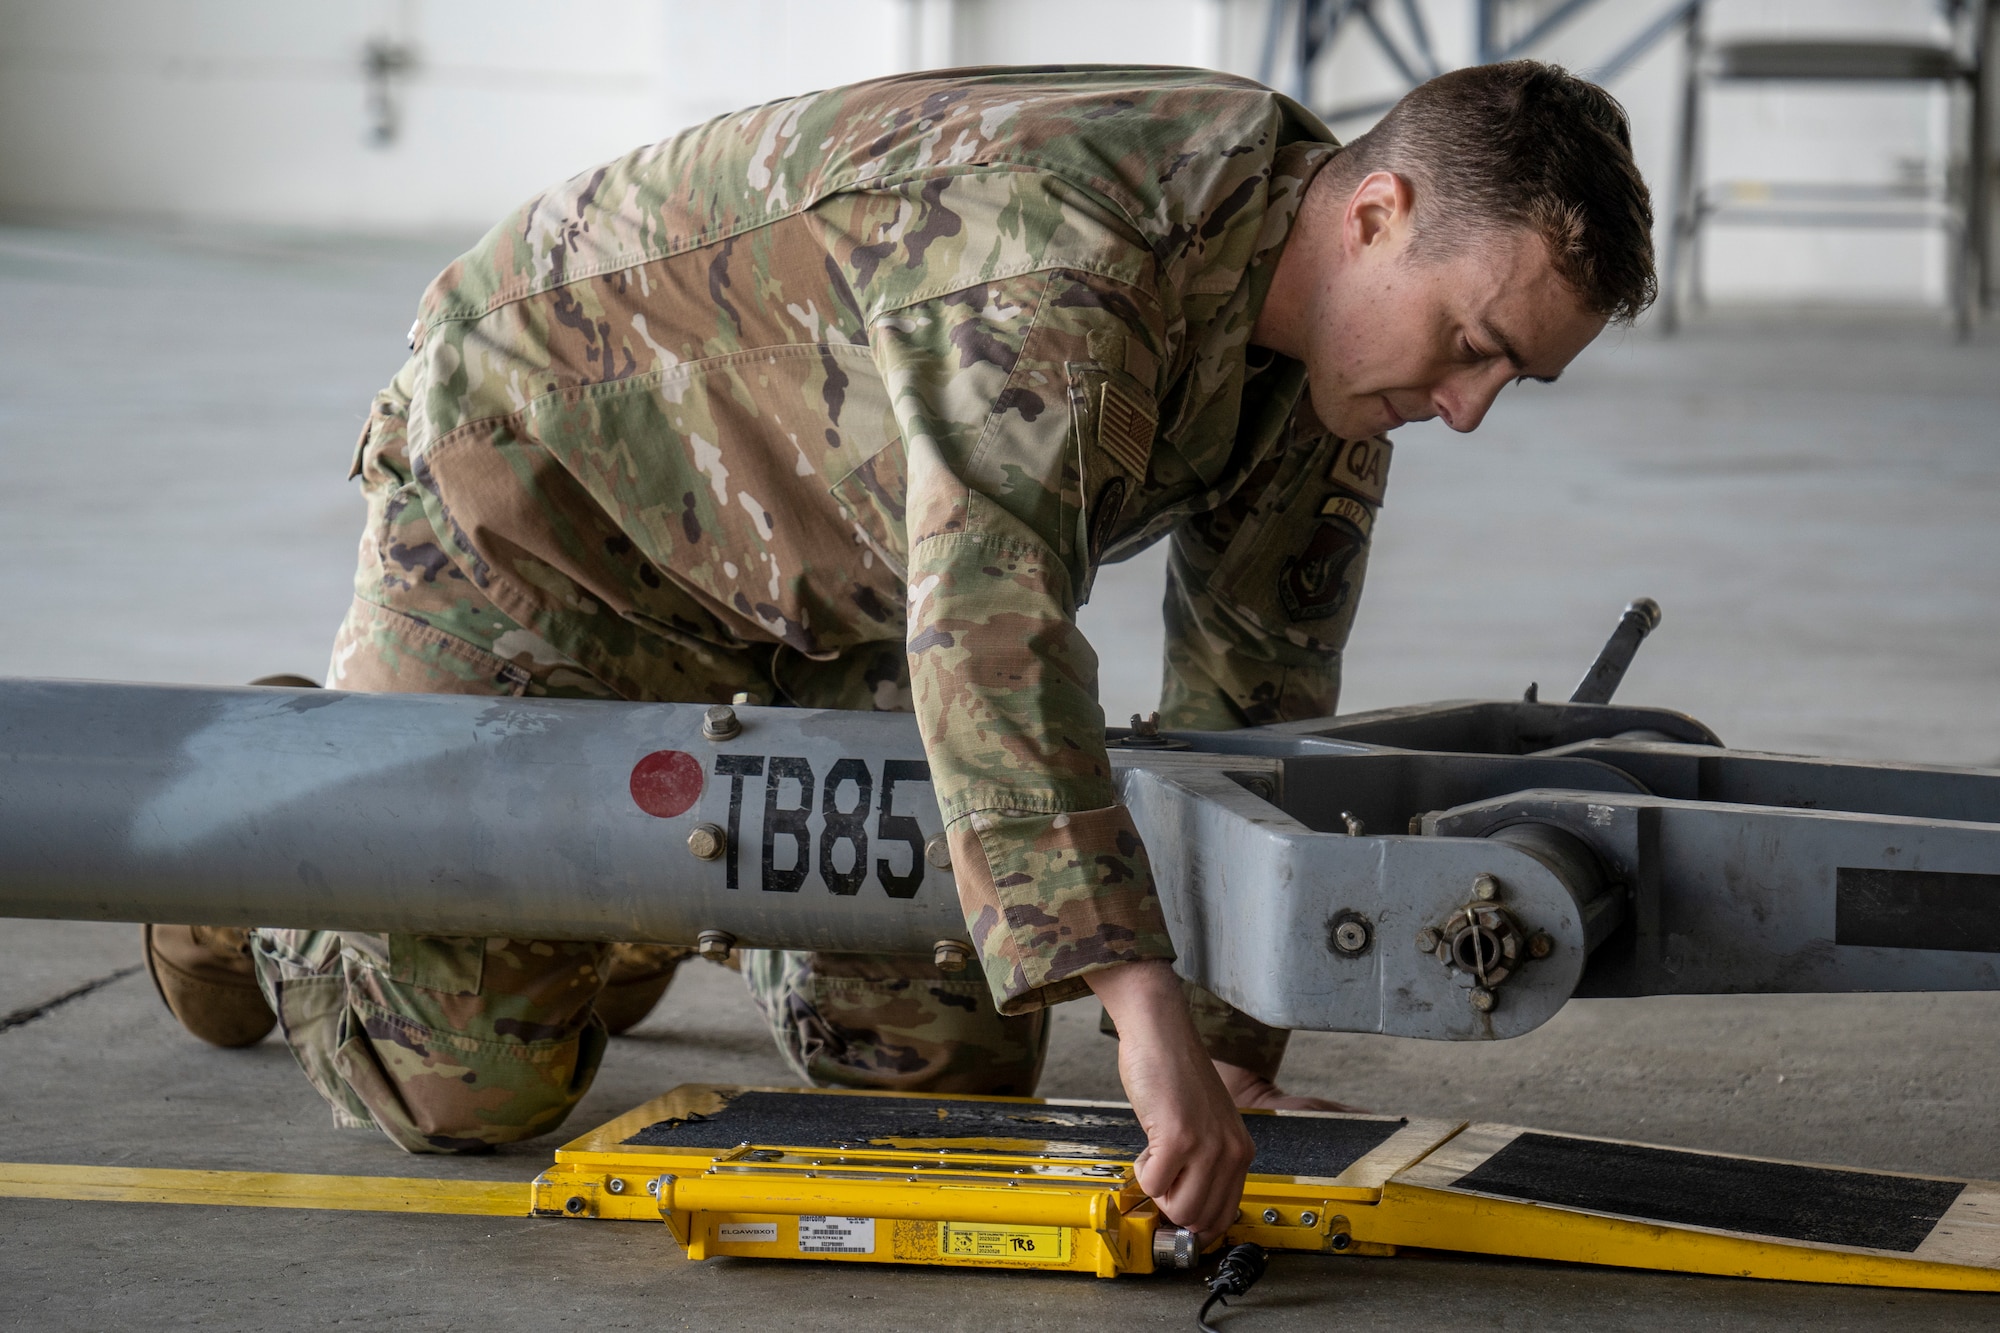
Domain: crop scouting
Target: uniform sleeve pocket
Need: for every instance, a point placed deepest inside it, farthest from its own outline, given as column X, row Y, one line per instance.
column 1293, row 569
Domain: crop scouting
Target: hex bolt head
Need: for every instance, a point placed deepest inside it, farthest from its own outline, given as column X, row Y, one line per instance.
column 653, row 1187
column 1540, row 945
column 1262, row 788
column 715, row 945
column 1428, row 940
column 1351, row 824
column 1485, row 888
column 1482, row 999
column 708, row 841
column 1271, row 1217
column 574, row 1205
column 938, row 851
column 1350, row 937
column 615, row 1184
column 1308, row 1219
column 951, row 956
column 720, row 723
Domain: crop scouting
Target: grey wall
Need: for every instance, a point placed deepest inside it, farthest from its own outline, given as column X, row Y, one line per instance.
column 237, row 112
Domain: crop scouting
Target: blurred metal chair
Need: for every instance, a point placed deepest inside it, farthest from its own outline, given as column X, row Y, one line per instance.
column 1955, row 199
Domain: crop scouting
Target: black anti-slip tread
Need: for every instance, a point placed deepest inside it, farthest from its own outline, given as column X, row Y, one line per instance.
column 1777, row 1199
column 1286, row 1145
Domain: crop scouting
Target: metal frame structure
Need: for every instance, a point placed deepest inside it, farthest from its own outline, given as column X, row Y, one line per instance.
column 1307, row 30
column 1452, row 871
column 1959, row 203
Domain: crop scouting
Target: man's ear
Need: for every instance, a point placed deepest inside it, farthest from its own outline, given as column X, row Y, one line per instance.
column 1379, row 213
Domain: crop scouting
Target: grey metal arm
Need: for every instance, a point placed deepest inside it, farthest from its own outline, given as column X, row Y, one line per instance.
column 1447, row 871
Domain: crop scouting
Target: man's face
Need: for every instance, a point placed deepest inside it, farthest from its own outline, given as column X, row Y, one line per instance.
column 1411, row 337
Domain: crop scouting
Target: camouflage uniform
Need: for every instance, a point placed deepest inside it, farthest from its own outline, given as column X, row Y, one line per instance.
column 841, row 401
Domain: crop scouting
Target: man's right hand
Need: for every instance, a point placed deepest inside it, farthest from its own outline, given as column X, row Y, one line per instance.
column 1197, row 1151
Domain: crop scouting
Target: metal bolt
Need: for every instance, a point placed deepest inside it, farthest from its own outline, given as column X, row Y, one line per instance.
column 938, row 852
column 1146, row 726
column 1340, row 1240
column 1540, row 945
column 951, row 956
column 708, row 841
column 1262, row 788
column 1352, row 823
column 1350, row 937
column 720, row 723
column 714, row 945
column 1485, row 888
column 615, row 1184
column 574, row 1205
column 1427, row 940
column 1308, row 1219
column 653, row 1188
column 1271, row 1217
column 1482, row 999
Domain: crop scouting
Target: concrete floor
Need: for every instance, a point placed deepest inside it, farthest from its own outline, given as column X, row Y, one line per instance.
column 1811, row 498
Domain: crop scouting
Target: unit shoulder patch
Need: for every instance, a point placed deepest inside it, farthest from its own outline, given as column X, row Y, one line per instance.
column 1312, row 585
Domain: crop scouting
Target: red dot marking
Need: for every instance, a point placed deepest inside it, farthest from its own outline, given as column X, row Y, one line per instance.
column 666, row 783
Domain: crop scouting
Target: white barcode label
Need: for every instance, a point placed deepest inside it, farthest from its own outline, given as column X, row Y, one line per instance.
column 836, row 1235
column 756, row 1233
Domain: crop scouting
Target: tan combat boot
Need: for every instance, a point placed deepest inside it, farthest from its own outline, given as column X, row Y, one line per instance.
column 205, row 977
column 635, row 977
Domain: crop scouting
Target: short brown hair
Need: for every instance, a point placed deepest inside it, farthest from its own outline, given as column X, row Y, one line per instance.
column 1523, row 144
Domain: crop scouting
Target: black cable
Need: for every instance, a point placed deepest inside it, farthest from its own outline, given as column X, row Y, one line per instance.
column 1237, row 1273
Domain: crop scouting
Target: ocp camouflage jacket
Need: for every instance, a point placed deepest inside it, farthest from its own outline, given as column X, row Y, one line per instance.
column 906, row 362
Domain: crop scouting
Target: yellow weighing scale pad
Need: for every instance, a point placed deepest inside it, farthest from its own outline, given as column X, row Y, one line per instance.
column 1017, row 1183
column 870, row 1177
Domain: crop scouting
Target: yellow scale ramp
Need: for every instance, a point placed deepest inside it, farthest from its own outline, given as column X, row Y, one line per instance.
column 866, row 1177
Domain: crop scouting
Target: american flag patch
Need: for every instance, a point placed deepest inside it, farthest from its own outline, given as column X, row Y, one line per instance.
column 1125, row 430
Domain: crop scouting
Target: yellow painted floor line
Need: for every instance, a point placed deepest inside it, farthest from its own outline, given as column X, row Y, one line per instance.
column 264, row 1189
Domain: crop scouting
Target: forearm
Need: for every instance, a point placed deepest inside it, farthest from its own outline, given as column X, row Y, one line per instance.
column 1144, row 999
column 1051, row 873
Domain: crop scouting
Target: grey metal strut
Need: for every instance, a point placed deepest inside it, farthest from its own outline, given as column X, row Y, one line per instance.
column 1599, row 683
column 1453, row 871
